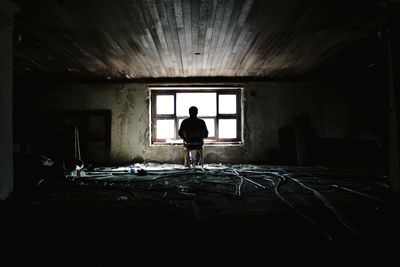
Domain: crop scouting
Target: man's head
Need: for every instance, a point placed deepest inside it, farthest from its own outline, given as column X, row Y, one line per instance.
column 193, row 111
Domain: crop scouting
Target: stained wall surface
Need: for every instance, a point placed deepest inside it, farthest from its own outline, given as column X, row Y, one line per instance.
column 267, row 107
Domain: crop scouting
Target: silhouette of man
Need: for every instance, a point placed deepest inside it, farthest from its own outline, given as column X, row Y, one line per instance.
column 193, row 130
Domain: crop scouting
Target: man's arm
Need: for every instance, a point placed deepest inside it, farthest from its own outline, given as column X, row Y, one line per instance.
column 205, row 130
column 181, row 129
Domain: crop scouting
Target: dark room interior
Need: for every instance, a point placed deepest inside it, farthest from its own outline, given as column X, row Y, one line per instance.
column 300, row 164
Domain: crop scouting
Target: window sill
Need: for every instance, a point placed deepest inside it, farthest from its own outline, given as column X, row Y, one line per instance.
column 206, row 143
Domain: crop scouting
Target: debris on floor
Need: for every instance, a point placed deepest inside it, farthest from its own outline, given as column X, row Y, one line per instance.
column 337, row 215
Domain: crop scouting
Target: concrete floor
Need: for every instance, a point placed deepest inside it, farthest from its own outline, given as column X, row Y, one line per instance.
column 225, row 214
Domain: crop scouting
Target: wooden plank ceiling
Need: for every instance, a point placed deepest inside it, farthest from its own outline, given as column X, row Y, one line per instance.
column 128, row 39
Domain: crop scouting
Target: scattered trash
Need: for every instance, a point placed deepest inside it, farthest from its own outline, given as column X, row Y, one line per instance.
column 187, row 193
column 46, row 161
column 77, row 173
column 40, row 182
column 137, row 171
column 122, row 198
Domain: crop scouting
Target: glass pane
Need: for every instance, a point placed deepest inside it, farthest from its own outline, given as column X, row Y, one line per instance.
column 165, row 129
column 180, row 122
column 227, row 128
column 165, row 104
column 210, row 127
column 227, row 104
column 205, row 102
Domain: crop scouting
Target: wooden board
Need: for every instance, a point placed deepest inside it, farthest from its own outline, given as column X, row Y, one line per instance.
column 132, row 39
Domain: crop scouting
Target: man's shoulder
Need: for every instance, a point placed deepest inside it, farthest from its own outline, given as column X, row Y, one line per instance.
column 193, row 120
column 186, row 120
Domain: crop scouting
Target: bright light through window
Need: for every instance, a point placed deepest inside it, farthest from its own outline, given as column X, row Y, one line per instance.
column 165, row 129
column 210, row 127
column 206, row 103
column 165, row 104
column 227, row 128
column 227, row 104
column 220, row 108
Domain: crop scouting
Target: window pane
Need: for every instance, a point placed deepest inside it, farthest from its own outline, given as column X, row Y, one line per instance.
column 165, row 129
column 205, row 102
column 180, row 122
column 227, row 128
column 210, row 127
column 165, row 104
column 227, row 104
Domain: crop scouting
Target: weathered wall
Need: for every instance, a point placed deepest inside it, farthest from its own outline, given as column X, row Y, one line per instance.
column 128, row 105
column 267, row 107
column 273, row 105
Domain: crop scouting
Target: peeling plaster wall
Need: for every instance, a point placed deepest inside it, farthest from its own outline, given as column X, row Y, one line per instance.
column 267, row 107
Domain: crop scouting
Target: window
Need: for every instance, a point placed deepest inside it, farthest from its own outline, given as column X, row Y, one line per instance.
column 220, row 108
